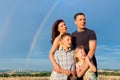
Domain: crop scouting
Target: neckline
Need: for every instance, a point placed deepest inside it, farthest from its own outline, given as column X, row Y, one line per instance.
column 81, row 30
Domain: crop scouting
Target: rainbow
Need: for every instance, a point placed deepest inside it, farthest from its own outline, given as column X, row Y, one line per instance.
column 34, row 40
column 5, row 27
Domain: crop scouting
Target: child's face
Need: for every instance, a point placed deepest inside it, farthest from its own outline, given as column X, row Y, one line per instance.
column 66, row 41
column 81, row 53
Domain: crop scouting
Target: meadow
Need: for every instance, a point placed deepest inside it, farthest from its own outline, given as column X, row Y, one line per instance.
column 102, row 75
column 47, row 78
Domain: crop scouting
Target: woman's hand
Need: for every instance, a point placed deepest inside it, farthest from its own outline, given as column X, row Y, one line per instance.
column 57, row 68
column 67, row 72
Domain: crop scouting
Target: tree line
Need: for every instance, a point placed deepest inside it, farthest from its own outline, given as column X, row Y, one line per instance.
column 25, row 74
column 47, row 74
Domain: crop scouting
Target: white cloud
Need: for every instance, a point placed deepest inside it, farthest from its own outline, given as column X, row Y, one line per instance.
column 108, row 56
column 20, row 64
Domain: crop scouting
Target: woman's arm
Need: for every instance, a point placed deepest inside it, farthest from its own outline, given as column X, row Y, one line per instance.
column 51, row 55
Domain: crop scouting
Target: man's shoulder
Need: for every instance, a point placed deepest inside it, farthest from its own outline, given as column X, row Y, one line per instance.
column 89, row 30
column 75, row 32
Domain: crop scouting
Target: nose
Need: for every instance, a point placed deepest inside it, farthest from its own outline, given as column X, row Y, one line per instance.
column 65, row 27
column 70, row 41
column 83, row 53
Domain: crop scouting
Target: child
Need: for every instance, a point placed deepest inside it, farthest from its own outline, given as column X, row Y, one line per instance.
column 82, row 61
column 64, row 58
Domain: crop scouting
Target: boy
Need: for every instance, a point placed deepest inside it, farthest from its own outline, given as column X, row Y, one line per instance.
column 64, row 58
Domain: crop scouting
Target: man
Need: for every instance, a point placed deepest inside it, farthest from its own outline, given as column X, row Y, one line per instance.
column 84, row 37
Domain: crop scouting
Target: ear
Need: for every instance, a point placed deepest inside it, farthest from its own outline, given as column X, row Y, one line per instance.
column 76, row 55
column 74, row 22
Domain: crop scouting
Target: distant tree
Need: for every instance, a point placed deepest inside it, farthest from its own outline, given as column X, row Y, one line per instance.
column 26, row 74
column 4, row 75
column 109, row 73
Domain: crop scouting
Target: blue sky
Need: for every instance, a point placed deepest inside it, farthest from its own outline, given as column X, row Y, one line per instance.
column 25, row 30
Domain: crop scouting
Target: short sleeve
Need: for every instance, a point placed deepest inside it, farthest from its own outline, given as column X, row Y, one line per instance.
column 56, row 56
column 92, row 35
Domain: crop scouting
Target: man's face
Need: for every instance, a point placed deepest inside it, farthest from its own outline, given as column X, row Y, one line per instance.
column 67, row 41
column 80, row 21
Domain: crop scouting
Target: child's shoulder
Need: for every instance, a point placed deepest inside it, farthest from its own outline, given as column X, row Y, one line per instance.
column 72, row 51
column 56, row 52
column 79, row 63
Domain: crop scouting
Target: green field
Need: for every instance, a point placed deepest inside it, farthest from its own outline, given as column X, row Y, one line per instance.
column 47, row 73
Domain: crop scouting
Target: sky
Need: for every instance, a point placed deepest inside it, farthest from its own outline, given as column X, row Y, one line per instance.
column 25, row 31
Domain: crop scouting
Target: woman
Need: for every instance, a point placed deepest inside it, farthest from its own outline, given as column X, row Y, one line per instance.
column 58, row 29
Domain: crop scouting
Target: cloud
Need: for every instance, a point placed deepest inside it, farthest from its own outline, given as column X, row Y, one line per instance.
column 19, row 64
column 108, row 56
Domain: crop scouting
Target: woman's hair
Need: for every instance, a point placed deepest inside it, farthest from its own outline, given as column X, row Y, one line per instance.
column 55, row 31
column 76, row 51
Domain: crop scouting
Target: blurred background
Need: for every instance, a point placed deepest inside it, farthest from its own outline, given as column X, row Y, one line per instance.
column 25, row 31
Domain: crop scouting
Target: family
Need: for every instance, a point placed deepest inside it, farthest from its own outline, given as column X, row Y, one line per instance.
column 72, row 55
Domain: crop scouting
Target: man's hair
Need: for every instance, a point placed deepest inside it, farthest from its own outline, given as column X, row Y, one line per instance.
column 80, row 13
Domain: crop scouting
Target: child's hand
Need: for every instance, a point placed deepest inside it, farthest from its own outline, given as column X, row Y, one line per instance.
column 77, row 68
column 87, row 59
column 90, row 64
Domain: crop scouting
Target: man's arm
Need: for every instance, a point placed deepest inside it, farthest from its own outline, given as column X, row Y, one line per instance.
column 92, row 48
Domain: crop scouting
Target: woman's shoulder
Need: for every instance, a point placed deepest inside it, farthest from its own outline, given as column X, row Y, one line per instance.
column 57, row 39
column 80, row 63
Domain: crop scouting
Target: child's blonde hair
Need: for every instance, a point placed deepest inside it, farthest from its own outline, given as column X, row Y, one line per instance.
column 76, row 51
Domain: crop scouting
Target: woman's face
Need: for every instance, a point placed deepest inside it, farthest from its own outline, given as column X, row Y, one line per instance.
column 62, row 28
